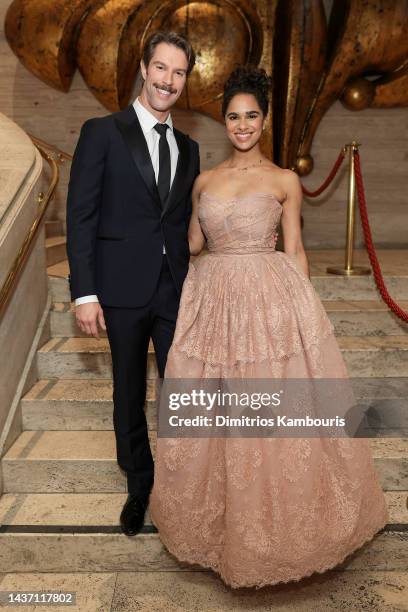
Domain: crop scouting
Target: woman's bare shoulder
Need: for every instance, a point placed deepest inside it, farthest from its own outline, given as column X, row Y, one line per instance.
column 206, row 177
column 201, row 180
column 275, row 178
column 291, row 179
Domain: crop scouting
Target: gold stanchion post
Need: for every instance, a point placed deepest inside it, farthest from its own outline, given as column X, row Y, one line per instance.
column 348, row 269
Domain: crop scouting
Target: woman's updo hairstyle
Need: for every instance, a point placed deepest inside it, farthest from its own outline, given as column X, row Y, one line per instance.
column 249, row 80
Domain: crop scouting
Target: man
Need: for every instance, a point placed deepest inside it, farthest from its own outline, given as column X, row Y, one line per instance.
column 128, row 210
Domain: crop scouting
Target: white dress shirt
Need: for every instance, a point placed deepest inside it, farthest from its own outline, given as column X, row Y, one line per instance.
column 147, row 122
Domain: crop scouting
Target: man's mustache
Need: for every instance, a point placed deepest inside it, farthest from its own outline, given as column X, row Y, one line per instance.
column 165, row 88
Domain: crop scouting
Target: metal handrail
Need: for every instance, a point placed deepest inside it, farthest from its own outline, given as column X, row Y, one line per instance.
column 45, row 145
column 6, row 290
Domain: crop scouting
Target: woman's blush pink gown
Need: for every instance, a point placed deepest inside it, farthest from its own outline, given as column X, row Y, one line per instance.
column 258, row 511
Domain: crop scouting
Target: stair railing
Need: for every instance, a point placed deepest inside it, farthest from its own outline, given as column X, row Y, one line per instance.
column 9, row 284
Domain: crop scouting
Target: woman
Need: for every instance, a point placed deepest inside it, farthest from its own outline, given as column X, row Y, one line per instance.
column 258, row 511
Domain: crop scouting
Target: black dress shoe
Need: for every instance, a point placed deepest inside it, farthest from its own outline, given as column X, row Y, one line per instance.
column 132, row 515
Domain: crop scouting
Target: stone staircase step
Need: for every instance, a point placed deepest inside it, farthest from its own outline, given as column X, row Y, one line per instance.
column 86, row 404
column 394, row 265
column 85, row 461
column 350, row 318
column 367, row 356
column 81, row 358
column 91, row 509
column 58, row 282
column 103, row 509
column 56, row 250
column 381, row 388
column 365, row 318
column 393, row 262
column 330, row 287
column 161, row 591
column 69, row 358
column 56, row 551
column 80, row 532
column 54, row 228
column 76, row 405
column 75, row 461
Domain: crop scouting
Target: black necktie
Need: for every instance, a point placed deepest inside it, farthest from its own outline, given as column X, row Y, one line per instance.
column 163, row 182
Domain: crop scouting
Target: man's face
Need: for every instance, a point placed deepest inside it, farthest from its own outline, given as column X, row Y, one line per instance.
column 164, row 77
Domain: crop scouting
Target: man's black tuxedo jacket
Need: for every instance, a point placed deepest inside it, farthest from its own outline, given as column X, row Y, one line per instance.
column 116, row 225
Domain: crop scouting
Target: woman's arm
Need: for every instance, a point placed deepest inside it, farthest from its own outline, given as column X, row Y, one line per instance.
column 196, row 238
column 291, row 227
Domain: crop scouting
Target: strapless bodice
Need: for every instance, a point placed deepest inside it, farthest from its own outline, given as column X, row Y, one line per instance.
column 240, row 225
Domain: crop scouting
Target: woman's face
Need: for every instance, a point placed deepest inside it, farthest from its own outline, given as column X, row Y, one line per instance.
column 244, row 121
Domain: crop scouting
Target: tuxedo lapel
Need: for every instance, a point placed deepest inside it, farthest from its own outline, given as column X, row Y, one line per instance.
column 181, row 177
column 135, row 140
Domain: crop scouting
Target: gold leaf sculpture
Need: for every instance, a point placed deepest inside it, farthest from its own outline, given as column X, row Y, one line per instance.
column 108, row 50
column 358, row 56
column 367, row 38
column 298, row 66
column 42, row 35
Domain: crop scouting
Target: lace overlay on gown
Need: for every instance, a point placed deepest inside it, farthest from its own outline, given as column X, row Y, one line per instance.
column 258, row 511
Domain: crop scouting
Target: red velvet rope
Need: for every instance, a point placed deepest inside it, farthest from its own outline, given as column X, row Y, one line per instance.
column 379, row 280
column 333, row 172
column 378, row 277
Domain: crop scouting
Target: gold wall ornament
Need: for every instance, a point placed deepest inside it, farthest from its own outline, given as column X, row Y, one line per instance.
column 42, row 35
column 360, row 55
column 369, row 37
column 299, row 56
column 358, row 94
column 304, row 165
column 108, row 50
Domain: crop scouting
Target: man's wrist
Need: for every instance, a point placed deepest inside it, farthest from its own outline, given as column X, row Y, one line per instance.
column 86, row 299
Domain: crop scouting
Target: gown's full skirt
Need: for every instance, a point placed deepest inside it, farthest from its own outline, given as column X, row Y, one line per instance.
column 259, row 511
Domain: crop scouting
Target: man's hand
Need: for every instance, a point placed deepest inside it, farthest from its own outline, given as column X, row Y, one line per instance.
column 88, row 317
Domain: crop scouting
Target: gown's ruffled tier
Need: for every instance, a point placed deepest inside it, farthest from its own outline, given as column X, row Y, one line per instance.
column 265, row 510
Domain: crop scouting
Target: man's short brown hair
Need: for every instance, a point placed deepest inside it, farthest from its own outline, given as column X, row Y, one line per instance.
column 171, row 38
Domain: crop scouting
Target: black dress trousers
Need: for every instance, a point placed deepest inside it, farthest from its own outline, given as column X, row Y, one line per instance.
column 129, row 331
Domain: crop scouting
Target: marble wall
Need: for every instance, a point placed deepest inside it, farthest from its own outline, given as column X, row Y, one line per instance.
column 57, row 118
